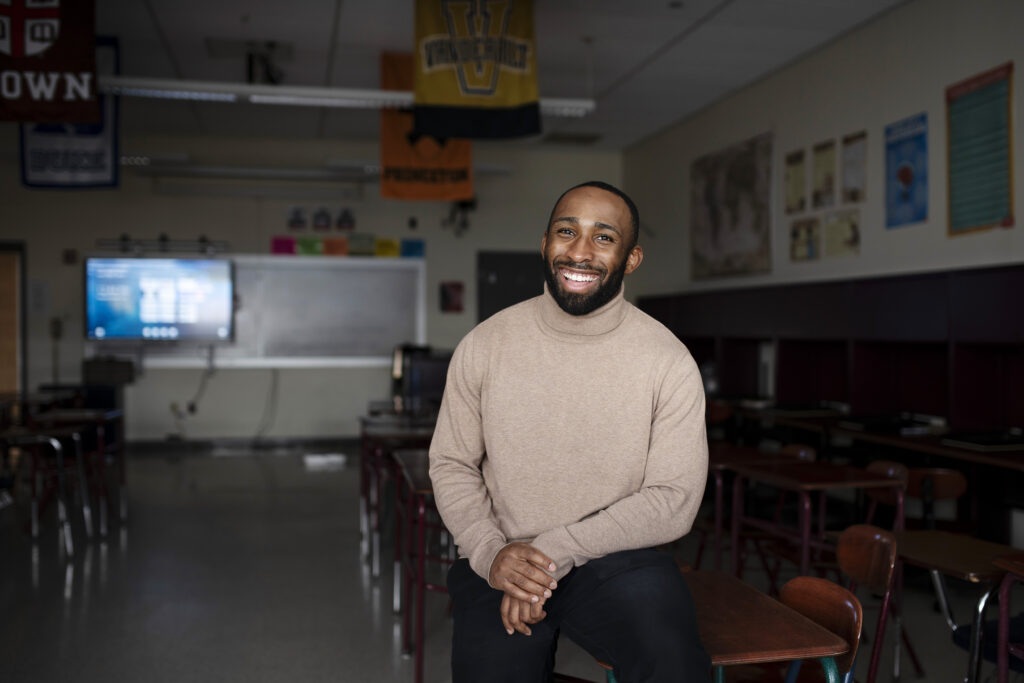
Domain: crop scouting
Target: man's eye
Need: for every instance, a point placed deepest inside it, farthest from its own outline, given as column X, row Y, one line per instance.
column 605, row 238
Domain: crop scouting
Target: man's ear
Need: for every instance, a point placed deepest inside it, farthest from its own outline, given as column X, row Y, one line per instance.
column 544, row 242
column 634, row 259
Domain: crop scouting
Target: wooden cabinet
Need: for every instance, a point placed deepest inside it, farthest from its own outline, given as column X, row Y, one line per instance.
column 946, row 343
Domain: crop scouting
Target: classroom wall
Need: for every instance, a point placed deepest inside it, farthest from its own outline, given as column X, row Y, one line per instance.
column 893, row 67
column 511, row 215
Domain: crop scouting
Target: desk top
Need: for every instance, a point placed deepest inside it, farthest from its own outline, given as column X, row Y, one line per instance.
column 741, row 625
column 812, row 476
column 414, row 464
column 397, row 426
column 71, row 415
column 933, row 445
column 723, row 455
column 957, row 555
column 1011, row 563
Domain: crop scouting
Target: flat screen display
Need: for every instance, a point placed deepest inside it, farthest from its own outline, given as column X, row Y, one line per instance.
column 159, row 299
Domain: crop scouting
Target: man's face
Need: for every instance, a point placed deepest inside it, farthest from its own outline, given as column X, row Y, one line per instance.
column 586, row 249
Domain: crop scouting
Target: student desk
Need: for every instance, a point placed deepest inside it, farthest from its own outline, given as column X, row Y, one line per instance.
column 107, row 428
column 721, row 456
column 961, row 557
column 803, row 478
column 741, row 625
column 1014, row 567
column 380, row 435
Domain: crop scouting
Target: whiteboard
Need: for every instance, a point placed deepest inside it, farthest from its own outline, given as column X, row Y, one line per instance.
column 299, row 311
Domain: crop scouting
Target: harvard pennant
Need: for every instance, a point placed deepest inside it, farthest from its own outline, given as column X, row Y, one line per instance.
column 476, row 69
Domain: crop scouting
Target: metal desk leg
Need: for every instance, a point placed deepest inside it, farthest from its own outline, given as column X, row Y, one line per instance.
column 719, row 485
column 805, row 533
column 83, row 484
column 977, row 635
column 62, row 512
column 421, row 581
column 737, row 514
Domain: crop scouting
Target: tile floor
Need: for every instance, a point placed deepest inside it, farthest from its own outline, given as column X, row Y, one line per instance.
column 247, row 568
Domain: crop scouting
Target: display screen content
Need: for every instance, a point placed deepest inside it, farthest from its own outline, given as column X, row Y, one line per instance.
column 159, row 299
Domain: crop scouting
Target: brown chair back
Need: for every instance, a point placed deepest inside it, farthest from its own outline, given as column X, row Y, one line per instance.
column 945, row 484
column 829, row 605
column 799, row 451
column 893, row 470
column 867, row 555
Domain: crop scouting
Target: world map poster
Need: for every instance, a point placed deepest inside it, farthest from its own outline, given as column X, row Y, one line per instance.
column 730, row 207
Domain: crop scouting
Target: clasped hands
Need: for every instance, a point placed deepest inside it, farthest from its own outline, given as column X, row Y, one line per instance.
column 520, row 570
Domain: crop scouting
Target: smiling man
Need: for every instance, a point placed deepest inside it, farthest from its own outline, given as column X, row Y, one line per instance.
column 571, row 442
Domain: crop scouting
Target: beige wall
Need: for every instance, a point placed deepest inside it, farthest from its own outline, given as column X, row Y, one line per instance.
column 894, row 67
column 512, row 212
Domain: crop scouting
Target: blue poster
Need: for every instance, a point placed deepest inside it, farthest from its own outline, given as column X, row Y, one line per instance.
column 906, row 171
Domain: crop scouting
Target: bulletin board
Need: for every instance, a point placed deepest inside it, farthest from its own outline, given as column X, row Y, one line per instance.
column 294, row 311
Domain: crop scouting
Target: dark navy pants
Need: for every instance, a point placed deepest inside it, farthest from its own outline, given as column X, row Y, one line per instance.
column 631, row 609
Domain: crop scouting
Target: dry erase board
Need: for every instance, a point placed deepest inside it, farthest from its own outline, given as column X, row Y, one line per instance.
column 294, row 311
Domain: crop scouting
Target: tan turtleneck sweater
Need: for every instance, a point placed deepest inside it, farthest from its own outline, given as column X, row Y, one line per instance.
column 583, row 435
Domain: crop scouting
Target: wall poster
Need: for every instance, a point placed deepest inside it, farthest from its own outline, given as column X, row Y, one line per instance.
column 805, row 239
column 823, row 193
column 854, row 161
column 796, row 182
column 842, row 234
column 979, row 138
column 906, row 171
column 730, row 205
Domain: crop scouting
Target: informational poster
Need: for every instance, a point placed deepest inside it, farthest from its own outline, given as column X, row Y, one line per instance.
column 796, row 182
column 978, row 115
column 730, row 204
column 805, row 239
column 842, row 234
column 906, row 171
column 823, row 193
column 854, row 161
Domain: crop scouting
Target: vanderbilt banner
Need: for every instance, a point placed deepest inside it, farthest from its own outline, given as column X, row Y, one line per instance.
column 476, row 69
column 415, row 166
column 48, row 61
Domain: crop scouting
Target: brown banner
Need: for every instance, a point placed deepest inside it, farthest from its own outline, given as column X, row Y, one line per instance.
column 48, row 61
column 412, row 166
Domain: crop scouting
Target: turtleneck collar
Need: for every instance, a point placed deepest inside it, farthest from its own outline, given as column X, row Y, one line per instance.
column 597, row 322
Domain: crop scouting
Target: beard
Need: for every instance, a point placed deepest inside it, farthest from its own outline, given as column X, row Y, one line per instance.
column 581, row 304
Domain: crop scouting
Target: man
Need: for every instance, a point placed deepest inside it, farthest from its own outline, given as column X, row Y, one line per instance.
column 570, row 442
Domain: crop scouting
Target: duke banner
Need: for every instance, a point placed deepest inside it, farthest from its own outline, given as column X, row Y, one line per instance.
column 414, row 166
column 476, row 69
column 48, row 61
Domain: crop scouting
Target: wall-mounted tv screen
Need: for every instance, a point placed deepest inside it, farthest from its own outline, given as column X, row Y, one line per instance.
column 159, row 299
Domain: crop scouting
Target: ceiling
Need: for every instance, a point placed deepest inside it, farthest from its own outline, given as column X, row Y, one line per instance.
column 646, row 63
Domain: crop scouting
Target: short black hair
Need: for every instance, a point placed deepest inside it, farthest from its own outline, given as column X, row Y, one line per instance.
column 634, row 213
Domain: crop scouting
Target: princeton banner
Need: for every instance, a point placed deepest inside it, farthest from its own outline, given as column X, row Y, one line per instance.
column 414, row 166
column 476, row 69
column 48, row 61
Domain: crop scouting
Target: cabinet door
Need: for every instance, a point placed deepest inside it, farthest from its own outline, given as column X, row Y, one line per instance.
column 10, row 322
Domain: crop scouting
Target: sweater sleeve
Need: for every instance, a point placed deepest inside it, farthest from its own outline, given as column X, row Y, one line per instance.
column 456, row 452
column 666, row 503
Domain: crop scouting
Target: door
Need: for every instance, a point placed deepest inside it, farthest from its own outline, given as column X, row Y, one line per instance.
column 505, row 278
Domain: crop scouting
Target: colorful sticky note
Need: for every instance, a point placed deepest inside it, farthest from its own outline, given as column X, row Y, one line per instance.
column 387, row 248
column 336, row 246
column 282, row 244
column 413, row 248
column 361, row 244
column 309, row 246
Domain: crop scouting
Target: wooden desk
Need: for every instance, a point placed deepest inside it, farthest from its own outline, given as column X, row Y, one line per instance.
column 415, row 495
column 961, row 557
column 107, row 426
column 932, row 445
column 741, row 625
column 803, row 478
column 1014, row 567
column 380, row 435
column 721, row 456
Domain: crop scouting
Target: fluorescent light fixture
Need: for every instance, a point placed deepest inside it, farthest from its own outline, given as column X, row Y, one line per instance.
column 301, row 96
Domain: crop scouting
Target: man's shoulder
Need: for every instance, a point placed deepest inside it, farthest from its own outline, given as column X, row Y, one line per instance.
column 507, row 320
column 655, row 335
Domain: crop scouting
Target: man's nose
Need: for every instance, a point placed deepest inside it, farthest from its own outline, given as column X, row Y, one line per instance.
column 581, row 250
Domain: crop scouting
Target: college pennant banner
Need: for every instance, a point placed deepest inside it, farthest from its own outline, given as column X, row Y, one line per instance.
column 476, row 69
column 48, row 61
column 412, row 165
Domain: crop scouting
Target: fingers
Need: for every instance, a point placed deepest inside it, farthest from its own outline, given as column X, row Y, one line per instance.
column 515, row 615
column 519, row 570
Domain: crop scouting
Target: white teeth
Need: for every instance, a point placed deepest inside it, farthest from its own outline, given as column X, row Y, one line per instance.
column 576, row 277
